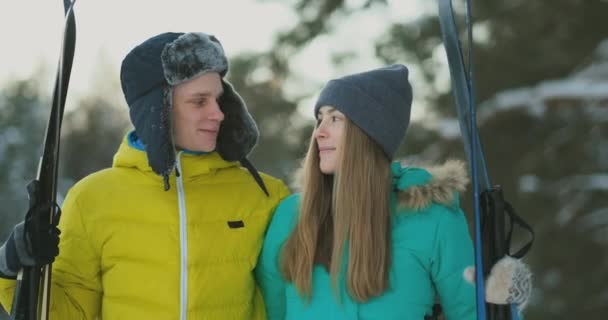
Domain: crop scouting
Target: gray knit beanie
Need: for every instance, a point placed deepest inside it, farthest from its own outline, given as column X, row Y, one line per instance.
column 377, row 101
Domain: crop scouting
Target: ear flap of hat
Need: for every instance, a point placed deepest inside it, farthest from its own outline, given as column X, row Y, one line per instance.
column 238, row 133
column 151, row 115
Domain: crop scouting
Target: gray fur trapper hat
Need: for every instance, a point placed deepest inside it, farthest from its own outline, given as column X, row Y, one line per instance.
column 148, row 74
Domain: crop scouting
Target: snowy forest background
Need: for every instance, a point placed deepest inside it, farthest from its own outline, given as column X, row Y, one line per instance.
column 542, row 88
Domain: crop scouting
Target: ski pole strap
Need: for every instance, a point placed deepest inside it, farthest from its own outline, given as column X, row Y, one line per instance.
column 515, row 219
column 37, row 206
column 496, row 213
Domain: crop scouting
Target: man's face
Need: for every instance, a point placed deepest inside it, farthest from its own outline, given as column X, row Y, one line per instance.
column 196, row 113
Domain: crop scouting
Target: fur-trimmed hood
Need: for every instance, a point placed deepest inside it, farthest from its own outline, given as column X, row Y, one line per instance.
column 418, row 187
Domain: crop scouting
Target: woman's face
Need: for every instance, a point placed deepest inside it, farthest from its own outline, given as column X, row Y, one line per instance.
column 328, row 133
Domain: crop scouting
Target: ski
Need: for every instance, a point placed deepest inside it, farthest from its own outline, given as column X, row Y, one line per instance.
column 32, row 291
column 492, row 212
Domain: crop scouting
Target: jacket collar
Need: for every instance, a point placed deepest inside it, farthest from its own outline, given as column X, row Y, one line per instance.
column 131, row 154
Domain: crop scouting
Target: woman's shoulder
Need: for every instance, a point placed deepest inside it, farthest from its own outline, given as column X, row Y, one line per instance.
column 288, row 207
column 284, row 217
column 428, row 222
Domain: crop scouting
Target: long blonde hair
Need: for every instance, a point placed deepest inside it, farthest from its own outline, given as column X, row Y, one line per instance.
column 346, row 212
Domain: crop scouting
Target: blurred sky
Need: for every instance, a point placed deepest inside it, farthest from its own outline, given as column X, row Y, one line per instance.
column 108, row 29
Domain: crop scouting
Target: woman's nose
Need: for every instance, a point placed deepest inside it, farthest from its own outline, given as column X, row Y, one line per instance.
column 320, row 131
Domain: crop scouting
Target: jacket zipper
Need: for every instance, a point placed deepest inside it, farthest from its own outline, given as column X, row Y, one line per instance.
column 183, row 240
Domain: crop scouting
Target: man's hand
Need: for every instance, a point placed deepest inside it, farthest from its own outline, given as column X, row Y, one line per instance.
column 34, row 242
column 42, row 235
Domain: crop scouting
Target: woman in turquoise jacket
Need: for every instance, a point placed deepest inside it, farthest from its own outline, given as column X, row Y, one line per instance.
column 367, row 238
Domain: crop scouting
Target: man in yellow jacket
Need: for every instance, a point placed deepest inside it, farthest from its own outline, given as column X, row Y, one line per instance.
column 174, row 229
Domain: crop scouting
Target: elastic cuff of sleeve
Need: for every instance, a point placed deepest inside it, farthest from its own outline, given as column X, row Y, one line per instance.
column 9, row 263
column 8, row 276
column 25, row 258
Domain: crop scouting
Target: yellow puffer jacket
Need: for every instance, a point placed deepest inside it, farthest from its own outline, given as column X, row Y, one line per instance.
column 130, row 250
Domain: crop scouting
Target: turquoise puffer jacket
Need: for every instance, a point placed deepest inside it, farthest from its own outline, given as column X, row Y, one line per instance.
column 431, row 248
